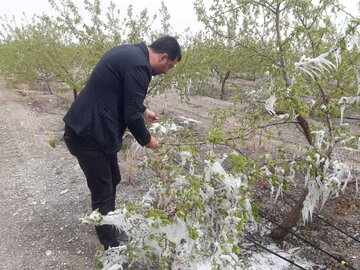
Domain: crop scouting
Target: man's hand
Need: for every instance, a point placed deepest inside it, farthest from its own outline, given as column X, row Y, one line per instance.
column 150, row 117
column 152, row 144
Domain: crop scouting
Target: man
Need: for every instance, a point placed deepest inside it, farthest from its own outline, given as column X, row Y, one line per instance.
column 112, row 101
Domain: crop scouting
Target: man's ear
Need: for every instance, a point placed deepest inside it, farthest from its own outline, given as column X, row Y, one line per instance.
column 163, row 57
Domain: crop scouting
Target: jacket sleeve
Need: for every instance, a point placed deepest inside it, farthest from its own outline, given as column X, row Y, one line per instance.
column 136, row 82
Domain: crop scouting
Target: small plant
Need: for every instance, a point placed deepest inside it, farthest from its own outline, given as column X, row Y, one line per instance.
column 193, row 215
column 53, row 142
column 127, row 151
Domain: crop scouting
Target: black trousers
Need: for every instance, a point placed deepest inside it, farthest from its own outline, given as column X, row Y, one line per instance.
column 102, row 174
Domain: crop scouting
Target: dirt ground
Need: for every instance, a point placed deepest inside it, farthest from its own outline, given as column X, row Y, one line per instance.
column 44, row 191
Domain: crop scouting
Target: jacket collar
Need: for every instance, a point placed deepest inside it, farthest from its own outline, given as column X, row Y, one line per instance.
column 144, row 48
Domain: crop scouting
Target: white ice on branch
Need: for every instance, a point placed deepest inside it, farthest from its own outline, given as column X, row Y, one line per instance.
column 202, row 238
column 314, row 66
column 269, row 105
column 187, row 120
column 333, row 178
column 319, row 138
column 265, row 260
column 164, row 127
column 343, row 101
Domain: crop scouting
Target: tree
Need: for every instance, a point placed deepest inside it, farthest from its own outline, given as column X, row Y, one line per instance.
column 66, row 48
column 194, row 214
column 286, row 30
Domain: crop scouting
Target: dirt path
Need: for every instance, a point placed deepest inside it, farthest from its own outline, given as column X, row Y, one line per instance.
column 42, row 194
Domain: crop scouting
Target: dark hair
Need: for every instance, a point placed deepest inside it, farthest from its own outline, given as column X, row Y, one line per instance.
column 169, row 45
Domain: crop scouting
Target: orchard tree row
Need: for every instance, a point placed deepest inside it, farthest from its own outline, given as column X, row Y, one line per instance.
column 304, row 72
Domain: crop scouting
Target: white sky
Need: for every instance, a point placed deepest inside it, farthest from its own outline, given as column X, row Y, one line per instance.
column 181, row 11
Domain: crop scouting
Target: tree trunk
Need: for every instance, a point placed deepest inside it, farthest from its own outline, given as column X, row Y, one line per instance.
column 290, row 221
column 75, row 93
column 222, row 95
column 292, row 218
column 305, row 127
column 281, row 47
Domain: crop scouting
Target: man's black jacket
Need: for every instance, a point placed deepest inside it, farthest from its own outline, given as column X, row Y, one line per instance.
column 112, row 99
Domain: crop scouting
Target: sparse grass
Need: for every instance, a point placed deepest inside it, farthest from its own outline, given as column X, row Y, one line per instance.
column 129, row 161
column 53, row 142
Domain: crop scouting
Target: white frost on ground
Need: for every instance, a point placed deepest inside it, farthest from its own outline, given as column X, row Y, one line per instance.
column 164, row 127
column 267, row 261
column 187, row 120
column 264, row 260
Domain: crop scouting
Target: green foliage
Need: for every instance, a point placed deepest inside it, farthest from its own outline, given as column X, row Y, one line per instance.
column 239, row 163
column 193, row 233
column 216, row 136
column 97, row 260
column 215, row 65
column 53, row 143
column 64, row 49
column 312, row 71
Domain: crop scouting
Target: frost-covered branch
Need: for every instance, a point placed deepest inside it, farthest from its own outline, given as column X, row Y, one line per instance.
column 189, row 219
column 315, row 66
